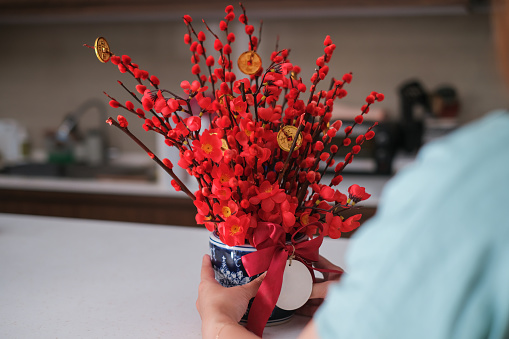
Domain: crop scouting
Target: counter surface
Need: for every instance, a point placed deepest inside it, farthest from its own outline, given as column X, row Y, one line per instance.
column 373, row 184
column 74, row 278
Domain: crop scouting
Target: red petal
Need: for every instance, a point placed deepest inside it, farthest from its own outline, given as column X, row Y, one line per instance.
column 288, row 219
column 268, row 205
column 279, row 197
column 254, row 200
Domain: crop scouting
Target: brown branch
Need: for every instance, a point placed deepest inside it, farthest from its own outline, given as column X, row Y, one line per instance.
column 184, row 188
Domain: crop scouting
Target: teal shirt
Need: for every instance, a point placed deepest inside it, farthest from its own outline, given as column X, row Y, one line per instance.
column 434, row 261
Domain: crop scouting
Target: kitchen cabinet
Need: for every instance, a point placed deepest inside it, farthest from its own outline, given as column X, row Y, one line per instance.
column 130, row 208
column 174, row 8
column 149, row 204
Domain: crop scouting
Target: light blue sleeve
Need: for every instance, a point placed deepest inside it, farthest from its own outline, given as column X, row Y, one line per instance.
column 434, row 261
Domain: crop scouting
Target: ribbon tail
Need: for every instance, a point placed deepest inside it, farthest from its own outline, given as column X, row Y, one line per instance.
column 267, row 295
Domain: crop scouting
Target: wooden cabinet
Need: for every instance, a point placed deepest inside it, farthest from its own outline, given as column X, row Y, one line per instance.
column 128, row 208
column 117, row 8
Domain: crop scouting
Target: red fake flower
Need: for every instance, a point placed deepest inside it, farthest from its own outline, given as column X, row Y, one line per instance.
column 306, row 218
column 202, row 207
column 223, row 173
column 357, row 193
column 334, row 224
column 327, row 193
column 203, row 219
column 225, row 209
column 238, row 105
column 287, row 209
column 220, row 192
column 233, row 231
column 228, row 139
column 192, row 88
column 268, row 115
column 351, row 223
column 193, row 123
column 208, row 146
column 268, row 195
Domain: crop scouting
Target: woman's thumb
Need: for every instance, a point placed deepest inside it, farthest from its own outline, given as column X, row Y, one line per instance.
column 252, row 287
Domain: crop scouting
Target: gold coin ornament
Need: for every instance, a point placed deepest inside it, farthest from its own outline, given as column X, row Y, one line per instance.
column 102, row 49
column 249, row 62
column 285, row 138
column 224, row 145
column 221, row 98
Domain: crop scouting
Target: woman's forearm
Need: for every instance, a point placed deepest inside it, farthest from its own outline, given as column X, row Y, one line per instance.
column 226, row 329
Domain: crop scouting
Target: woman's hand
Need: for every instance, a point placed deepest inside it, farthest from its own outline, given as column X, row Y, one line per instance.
column 321, row 287
column 220, row 306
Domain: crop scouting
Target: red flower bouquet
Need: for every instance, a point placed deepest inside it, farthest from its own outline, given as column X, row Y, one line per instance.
column 258, row 145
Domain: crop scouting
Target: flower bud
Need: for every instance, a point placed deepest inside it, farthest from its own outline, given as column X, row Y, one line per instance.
column 167, row 163
column 196, row 69
column 175, row 185
column 347, row 77
column 114, row 103
column 370, row 99
column 311, row 176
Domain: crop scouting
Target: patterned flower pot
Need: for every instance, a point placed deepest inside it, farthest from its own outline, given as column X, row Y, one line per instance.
column 229, row 271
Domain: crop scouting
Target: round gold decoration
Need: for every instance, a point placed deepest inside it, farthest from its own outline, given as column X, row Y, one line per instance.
column 224, row 145
column 221, row 98
column 286, row 136
column 249, row 62
column 102, row 49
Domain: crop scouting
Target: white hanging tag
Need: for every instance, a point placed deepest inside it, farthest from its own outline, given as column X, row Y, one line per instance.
column 297, row 286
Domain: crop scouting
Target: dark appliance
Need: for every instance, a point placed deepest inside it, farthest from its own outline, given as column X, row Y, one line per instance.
column 414, row 99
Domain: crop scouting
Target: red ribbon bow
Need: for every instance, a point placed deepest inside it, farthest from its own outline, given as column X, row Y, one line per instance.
column 271, row 255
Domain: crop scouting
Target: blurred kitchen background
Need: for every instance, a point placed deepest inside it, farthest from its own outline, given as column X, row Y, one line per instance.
column 433, row 60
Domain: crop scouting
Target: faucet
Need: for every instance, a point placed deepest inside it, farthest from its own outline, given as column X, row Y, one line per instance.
column 96, row 141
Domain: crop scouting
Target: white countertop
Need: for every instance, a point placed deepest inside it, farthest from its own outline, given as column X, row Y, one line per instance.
column 70, row 278
column 104, row 186
column 374, row 185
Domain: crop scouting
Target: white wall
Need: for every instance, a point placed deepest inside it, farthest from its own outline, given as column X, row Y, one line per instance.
column 46, row 73
column 382, row 53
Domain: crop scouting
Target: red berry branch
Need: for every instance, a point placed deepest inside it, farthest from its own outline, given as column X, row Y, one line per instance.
column 165, row 163
column 259, row 146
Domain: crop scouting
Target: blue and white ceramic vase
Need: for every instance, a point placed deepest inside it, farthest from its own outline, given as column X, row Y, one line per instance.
column 229, row 271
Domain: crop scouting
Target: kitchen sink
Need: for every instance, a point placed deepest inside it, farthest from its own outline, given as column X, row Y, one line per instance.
column 107, row 171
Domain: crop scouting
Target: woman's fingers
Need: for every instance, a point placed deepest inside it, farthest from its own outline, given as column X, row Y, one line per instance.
column 207, row 272
column 309, row 307
column 320, row 289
